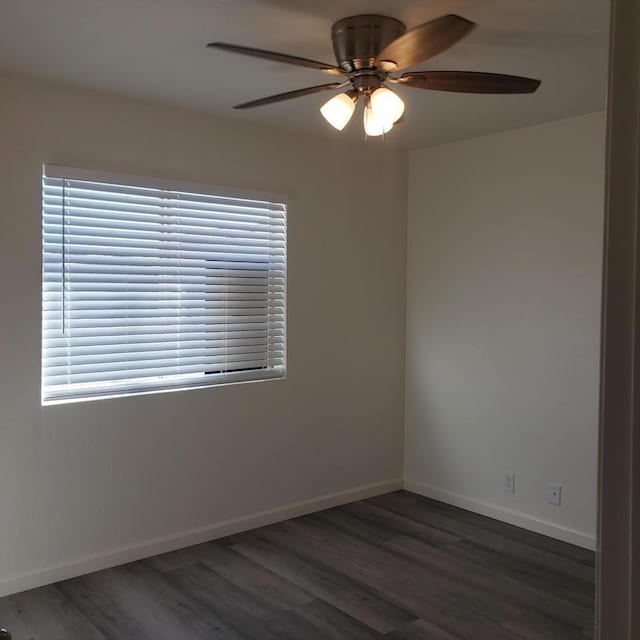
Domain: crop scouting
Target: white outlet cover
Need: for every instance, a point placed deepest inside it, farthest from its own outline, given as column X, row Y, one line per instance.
column 509, row 483
column 554, row 494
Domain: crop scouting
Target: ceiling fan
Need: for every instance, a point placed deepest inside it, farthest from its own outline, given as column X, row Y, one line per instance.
column 368, row 49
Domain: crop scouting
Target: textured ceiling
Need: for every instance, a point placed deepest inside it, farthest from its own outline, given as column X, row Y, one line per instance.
column 156, row 49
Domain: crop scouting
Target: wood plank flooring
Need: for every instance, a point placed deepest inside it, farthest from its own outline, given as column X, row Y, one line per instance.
column 398, row 566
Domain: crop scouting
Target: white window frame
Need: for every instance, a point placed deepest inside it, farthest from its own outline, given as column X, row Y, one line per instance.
column 168, row 383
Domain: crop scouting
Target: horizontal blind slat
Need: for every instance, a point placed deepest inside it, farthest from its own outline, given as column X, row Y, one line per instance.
column 131, row 374
column 59, row 356
column 115, row 341
column 64, row 392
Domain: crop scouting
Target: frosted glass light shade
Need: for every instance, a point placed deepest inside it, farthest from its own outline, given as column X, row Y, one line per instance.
column 387, row 105
column 373, row 124
column 338, row 111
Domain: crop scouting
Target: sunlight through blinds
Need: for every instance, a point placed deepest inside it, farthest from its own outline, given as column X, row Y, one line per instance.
column 147, row 287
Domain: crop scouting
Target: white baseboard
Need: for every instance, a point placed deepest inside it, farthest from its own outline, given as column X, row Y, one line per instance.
column 566, row 534
column 155, row 546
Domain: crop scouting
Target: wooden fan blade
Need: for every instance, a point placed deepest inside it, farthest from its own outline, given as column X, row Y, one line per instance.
column 290, row 95
column 278, row 57
column 469, row 82
column 423, row 42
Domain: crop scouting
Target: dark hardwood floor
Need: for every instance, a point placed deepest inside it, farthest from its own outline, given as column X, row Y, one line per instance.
column 398, row 566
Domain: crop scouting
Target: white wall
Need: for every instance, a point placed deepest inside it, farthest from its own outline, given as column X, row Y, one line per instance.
column 503, row 313
column 125, row 477
column 502, row 337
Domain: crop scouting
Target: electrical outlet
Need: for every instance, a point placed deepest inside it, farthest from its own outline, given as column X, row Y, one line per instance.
column 554, row 494
column 509, row 483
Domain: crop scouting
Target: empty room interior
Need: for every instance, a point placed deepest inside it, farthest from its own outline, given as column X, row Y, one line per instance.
column 300, row 332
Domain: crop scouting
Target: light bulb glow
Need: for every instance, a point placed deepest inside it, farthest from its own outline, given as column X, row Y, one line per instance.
column 338, row 111
column 387, row 105
column 373, row 124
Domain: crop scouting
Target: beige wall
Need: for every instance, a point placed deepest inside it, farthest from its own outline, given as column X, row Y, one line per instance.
column 503, row 320
column 504, row 255
column 103, row 477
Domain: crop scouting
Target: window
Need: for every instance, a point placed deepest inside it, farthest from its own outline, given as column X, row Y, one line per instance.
column 149, row 285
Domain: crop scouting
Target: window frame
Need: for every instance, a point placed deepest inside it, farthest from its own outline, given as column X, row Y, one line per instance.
column 178, row 382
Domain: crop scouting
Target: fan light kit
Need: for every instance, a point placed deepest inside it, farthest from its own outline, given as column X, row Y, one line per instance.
column 368, row 49
column 338, row 111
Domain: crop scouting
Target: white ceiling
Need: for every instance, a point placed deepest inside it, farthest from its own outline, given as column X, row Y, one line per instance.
column 156, row 49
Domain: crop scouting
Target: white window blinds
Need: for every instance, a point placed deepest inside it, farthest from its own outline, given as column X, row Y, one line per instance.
column 148, row 285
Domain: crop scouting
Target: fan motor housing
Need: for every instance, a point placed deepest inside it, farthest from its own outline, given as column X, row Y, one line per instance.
column 358, row 40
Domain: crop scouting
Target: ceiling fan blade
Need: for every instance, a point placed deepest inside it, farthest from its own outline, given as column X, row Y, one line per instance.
column 278, row 57
column 423, row 42
column 469, row 82
column 298, row 93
